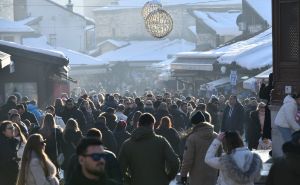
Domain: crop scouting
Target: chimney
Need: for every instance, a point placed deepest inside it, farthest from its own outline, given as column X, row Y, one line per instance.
column 70, row 5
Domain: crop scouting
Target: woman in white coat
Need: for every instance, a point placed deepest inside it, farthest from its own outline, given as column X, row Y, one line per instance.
column 238, row 166
column 36, row 168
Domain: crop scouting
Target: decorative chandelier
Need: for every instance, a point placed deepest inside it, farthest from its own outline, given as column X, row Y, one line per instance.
column 149, row 7
column 158, row 22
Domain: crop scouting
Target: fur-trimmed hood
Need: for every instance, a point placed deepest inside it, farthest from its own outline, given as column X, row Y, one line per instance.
column 249, row 173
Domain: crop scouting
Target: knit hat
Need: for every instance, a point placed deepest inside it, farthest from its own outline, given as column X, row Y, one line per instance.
column 198, row 117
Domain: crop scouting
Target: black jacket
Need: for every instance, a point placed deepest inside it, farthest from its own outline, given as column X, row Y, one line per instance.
column 180, row 120
column 172, row 137
column 148, row 159
column 4, row 110
column 77, row 178
column 30, row 116
column 112, row 167
column 70, row 141
column 235, row 121
column 121, row 135
column 8, row 160
column 77, row 115
column 254, row 129
column 108, row 137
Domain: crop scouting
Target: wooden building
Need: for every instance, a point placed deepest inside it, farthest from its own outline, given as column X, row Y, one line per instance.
column 36, row 73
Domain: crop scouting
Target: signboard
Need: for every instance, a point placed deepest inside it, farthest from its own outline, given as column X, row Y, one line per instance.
column 233, row 77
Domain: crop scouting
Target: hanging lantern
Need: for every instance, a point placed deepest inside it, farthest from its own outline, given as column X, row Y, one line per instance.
column 159, row 23
column 149, row 7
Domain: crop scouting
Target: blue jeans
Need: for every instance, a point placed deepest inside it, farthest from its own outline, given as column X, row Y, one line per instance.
column 286, row 133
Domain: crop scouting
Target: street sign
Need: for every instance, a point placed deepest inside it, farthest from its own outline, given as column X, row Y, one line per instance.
column 233, row 77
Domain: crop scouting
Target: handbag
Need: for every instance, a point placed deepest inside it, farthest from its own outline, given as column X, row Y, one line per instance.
column 59, row 156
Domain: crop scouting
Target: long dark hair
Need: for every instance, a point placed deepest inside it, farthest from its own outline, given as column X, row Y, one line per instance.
column 21, row 134
column 34, row 144
column 71, row 126
column 48, row 126
column 232, row 141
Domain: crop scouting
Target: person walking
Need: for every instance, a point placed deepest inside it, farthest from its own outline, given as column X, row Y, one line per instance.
column 286, row 170
column 285, row 119
column 239, row 166
column 91, row 169
column 54, row 140
column 71, row 138
column 233, row 116
column 147, row 158
column 165, row 129
column 121, row 134
column 196, row 147
column 36, row 167
column 8, row 154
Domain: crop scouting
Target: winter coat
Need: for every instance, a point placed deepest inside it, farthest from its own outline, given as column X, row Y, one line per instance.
column 30, row 116
column 77, row 178
column 36, row 111
column 241, row 167
column 193, row 163
column 148, row 159
column 180, row 120
column 254, row 130
column 286, row 170
column 70, row 141
column 267, row 124
column 108, row 137
column 35, row 174
column 120, row 116
column 8, row 160
column 54, row 145
column 110, row 120
column 4, row 110
column 89, row 118
column 60, row 122
column 77, row 115
column 121, row 135
column 247, row 119
column 112, row 167
column 213, row 111
column 286, row 116
column 172, row 137
column 235, row 121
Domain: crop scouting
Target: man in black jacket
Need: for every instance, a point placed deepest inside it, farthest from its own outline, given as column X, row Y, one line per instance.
column 71, row 111
column 146, row 158
column 22, row 110
column 91, row 158
column 233, row 116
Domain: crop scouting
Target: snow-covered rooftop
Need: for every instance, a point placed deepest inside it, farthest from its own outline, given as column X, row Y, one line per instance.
column 263, row 8
column 193, row 30
column 123, row 4
column 224, row 23
column 253, row 53
column 75, row 58
column 29, row 20
column 155, row 51
column 34, row 49
column 117, row 43
column 13, row 27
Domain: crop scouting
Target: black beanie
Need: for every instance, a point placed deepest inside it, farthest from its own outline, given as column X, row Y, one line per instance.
column 198, row 117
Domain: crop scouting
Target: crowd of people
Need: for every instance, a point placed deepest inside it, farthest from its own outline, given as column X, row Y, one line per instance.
column 107, row 139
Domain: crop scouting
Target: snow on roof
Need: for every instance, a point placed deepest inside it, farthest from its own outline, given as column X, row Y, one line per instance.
column 263, row 8
column 265, row 74
column 33, row 49
column 139, row 51
column 124, row 4
column 252, row 53
column 75, row 58
column 29, row 20
column 14, row 27
column 224, row 23
column 117, row 43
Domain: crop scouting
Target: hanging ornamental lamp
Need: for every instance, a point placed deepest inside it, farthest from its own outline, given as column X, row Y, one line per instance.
column 159, row 23
column 149, row 7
